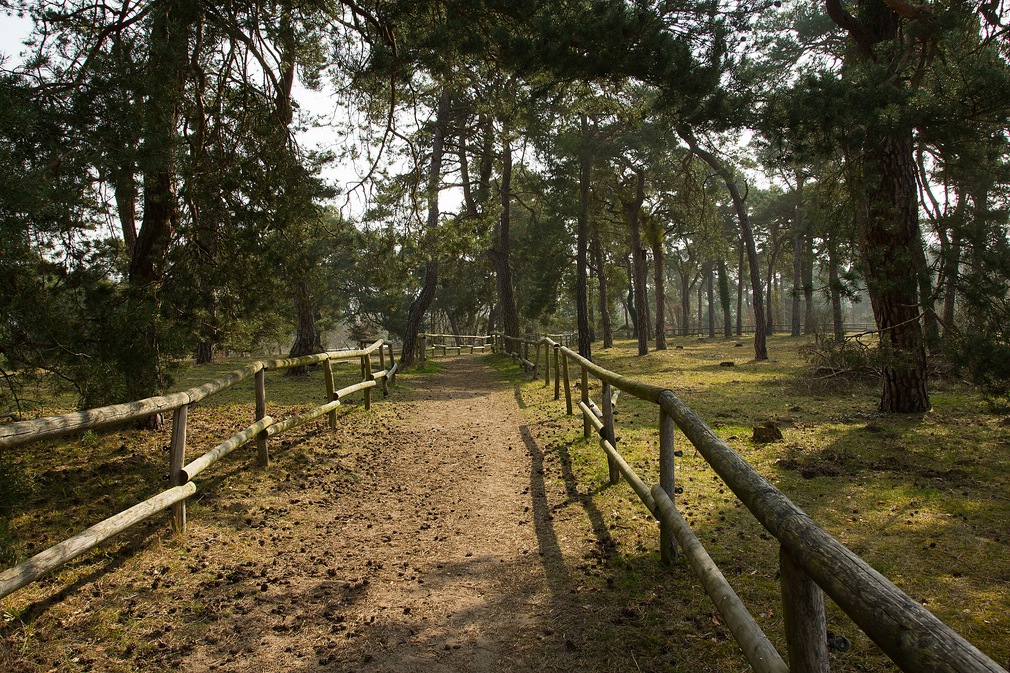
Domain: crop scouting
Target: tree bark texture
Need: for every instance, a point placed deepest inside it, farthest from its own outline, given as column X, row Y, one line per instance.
column 167, row 72
column 794, row 323
column 606, row 324
column 884, row 169
column 891, row 245
column 632, row 215
column 835, row 290
column 502, row 253
column 305, row 328
column 710, row 296
column 810, row 315
column 659, row 278
column 727, row 314
column 582, row 245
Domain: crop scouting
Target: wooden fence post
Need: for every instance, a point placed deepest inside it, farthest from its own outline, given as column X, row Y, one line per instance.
column 392, row 363
column 587, row 428
column 547, row 365
column 261, row 411
column 366, row 368
column 330, row 389
column 608, row 429
column 176, row 459
column 568, row 384
column 423, row 349
column 803, row 613
column 557, row 371
column 667, row 480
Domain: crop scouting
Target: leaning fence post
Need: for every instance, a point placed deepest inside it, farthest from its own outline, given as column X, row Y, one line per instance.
column 587, row 428
column 330, row 390
column 803, row 613
column 261, row 411
column 608, row 429
column 176, row 459
column 667, row 480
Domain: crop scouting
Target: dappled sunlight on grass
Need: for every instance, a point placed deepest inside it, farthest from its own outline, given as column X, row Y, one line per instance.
column 923, row 497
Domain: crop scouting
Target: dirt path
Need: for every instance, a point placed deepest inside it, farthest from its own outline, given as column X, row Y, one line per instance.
column 417, row 552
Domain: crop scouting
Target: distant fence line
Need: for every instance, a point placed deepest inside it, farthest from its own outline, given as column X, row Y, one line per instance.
column 180, row 474
column 811, row 562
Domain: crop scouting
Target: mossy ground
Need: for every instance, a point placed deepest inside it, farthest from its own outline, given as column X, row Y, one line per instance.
column 922, row 498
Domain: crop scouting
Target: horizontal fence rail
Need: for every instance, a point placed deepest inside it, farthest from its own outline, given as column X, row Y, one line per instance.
column 812, row 562
column 430, row 345
column 180, row 475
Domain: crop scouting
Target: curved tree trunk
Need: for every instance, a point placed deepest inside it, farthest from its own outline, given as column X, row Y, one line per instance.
column 420, row 305
column 743, row 219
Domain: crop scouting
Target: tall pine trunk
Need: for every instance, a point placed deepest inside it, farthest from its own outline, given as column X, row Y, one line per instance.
column 606, row 324
column 891, row 245
column 794, row 325
column 659, row 279
column 632, row 214
column 420, row 304
column 582, row 245
column 710, row 295
column 882, row 170
column 727, row 316
column 502, row 253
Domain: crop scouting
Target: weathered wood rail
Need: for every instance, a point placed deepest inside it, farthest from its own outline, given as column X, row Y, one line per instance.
column 180, row 474
column 812, row 562
column 431, row 345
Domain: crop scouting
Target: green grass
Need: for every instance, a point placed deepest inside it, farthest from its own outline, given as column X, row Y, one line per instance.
column 922, row 498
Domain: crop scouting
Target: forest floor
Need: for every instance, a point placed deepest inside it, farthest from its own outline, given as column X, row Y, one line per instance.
column 462, row 524
column 425, row 535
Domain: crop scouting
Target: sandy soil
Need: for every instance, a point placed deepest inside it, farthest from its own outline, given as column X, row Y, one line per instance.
column 420, row 555
column 441, row 531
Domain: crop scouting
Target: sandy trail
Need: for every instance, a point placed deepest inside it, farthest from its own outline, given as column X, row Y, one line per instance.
column 419, row 552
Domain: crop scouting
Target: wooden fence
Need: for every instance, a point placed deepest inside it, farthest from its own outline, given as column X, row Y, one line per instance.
column 812, row 562
column 432, row 344
column 180, row 472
